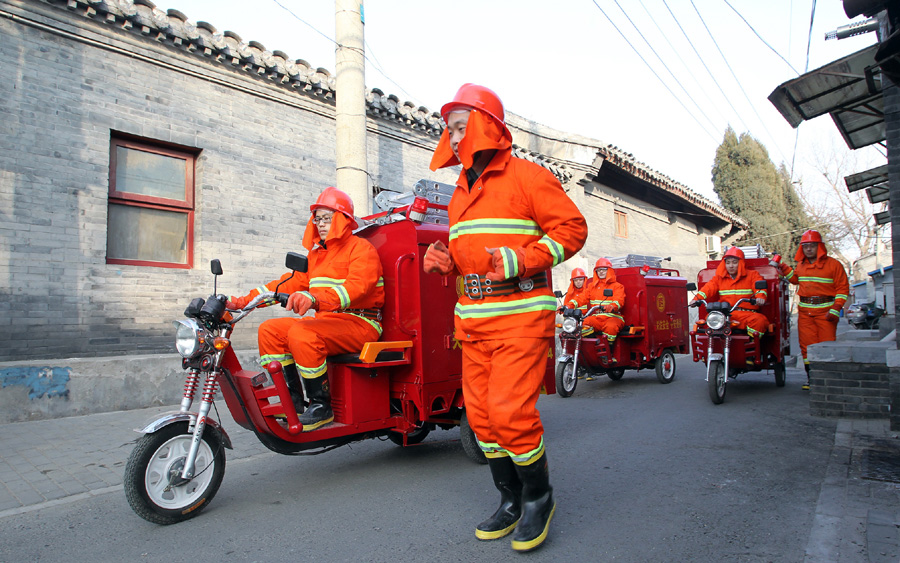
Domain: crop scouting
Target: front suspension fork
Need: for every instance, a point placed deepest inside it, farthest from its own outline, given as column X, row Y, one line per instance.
column 209, row 393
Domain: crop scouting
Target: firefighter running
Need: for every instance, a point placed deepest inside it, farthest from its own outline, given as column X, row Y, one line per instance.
column 822, row 289
column 510, row 222
column 732, row 282
column 345, row 288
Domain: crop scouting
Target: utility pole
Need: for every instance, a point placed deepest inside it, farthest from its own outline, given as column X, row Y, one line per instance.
column 350, row 103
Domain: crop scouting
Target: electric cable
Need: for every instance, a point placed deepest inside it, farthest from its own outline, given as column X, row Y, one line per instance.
column 665, row 66
column 766, row 43
column 740, row 86
column 654, row 72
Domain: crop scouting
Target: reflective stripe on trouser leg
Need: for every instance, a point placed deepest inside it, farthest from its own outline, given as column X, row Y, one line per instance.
column 501, row 384
column 813, row 327
column 754, row 323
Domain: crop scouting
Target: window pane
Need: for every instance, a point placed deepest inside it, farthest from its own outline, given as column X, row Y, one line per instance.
column 139, row 233
column 149, row 174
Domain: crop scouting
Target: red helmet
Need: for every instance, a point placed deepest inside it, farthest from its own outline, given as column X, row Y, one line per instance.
column 473, row 96
column 336, row 200
column 734, row 251
column 603, row 263
column 578, row 273
column 811, row 236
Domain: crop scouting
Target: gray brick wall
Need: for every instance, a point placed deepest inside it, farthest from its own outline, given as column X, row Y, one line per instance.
column 849, row 390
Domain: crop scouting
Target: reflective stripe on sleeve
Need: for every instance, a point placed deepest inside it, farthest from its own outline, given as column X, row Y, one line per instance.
column 495, row 227
column 556, row 249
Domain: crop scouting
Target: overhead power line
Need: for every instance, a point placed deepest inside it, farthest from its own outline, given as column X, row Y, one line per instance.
column 740, row 86
column 665, row 66
column 766, row 43
column 709, row 72
column 674, row 50
column 654, row 72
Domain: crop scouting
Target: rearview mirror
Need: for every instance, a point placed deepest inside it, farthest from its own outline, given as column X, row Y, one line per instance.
column 215, row 267
column 558, row 294
column 296, row 262
column 760, row 284
column 692, row 286
column 607, row 293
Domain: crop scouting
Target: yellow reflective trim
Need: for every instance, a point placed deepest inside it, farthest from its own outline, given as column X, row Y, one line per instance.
column 313, row 372
column 556, row 249
column 283, row 359
column 495, row 227
column 500, row 309
column 815, row 280
column 817, row 306
column 528, row 457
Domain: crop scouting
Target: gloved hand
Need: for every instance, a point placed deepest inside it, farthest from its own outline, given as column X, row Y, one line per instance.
column 498, row 262
column 832, row 318
column 760, row 301
column 437, row 259
column 299, row 303
column 610, row 308
column 237, row 302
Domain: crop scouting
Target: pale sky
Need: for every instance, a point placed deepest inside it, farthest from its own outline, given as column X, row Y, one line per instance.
column 563, row 64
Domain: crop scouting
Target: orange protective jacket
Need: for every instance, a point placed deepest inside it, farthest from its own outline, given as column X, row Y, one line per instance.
column 825, row 277
column 344, row 272
column 731, row 289
column 519, row 205
column 574, row 295
column 595, row 296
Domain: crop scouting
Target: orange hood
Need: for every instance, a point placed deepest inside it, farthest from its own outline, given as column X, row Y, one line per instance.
column 800, row 257
column 341, row 228
column 722, row 273
column 483, row 133
column 610, row 277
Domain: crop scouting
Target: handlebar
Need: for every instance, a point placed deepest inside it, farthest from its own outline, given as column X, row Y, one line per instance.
column 262, row 300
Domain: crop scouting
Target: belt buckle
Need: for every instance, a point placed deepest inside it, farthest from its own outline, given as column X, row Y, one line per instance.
column 473, row 286
column 526, row 284
column 378, row 315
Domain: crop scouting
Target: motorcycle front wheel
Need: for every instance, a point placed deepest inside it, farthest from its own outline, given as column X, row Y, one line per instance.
column 566, row 378
column 158, row 459
column 718, row 373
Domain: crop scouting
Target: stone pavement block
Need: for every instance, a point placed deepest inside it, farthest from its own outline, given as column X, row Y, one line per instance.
column 882, row 536
column 29, row 497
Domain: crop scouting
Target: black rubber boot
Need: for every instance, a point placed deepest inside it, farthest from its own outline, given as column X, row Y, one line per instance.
column 538, row 505
column 319, row 412
column 806, row 387
column 292, row 378
column 504, row 519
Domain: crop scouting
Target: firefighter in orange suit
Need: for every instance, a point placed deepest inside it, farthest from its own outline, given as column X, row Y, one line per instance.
column 732, row 282
column 345, row 288
column 608, row 320
column 823, row 290
column 510, row 222
column 577, row 288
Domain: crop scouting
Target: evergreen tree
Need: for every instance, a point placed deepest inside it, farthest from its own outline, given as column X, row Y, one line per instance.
column 749, row 185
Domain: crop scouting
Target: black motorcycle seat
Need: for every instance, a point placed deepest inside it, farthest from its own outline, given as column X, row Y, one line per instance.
column 384, row 356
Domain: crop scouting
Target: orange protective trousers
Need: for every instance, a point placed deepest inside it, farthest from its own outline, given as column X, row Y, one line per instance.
column 501, row 383
column 606, row 324
column 307, row 341
column 813, row 327
column 752, row 320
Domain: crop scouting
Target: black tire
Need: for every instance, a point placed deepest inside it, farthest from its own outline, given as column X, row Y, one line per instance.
column 414, row 437
column 566, row 378
column 718, row 376
column 159, row 454
column 469, row 442
column 665, row 367
column 615, row 373
column 779, row 374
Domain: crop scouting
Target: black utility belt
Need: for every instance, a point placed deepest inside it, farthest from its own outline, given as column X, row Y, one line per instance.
column 479, row 287
column 371, row 314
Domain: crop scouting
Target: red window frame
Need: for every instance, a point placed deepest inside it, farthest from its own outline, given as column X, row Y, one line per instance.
column 185, row 206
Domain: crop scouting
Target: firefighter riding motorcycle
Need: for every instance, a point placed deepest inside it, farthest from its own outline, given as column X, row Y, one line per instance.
column 728, row 350
column 398, row 388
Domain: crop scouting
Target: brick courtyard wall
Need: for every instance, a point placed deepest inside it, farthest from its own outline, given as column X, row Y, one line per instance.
column 849, row 390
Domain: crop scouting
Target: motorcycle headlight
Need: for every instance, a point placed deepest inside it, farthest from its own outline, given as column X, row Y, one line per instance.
column 569, row 325
column 189, row 337
column 715, row 320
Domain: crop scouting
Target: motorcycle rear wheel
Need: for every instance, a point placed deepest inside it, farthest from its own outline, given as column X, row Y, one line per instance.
column 665, row 367
column 566, row 378
column 718, row 374
column 470, row 442
column 157, row 457
column 779, row 374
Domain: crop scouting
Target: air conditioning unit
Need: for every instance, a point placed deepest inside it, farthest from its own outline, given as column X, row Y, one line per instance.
column 713, row 244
